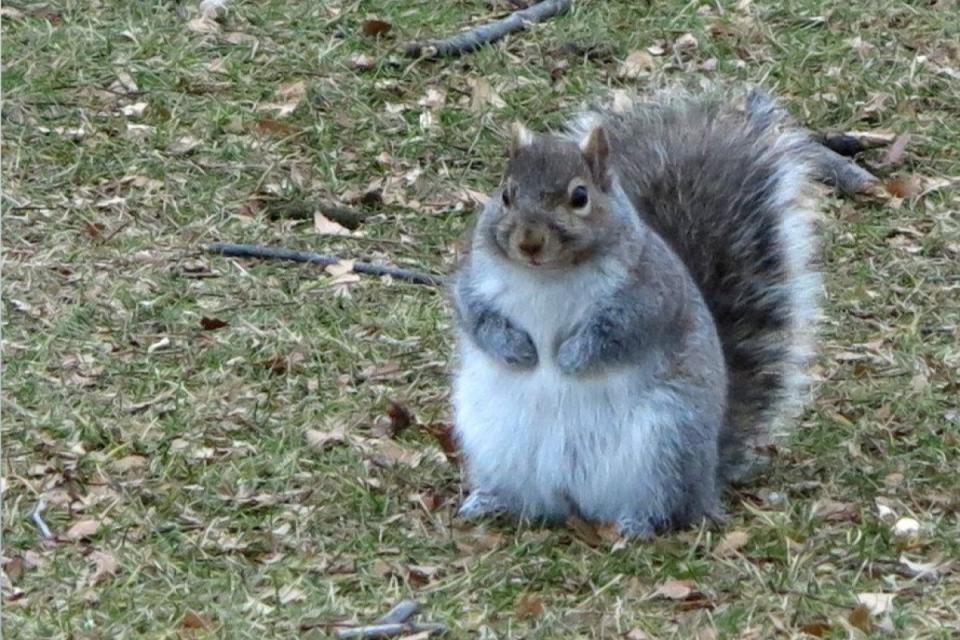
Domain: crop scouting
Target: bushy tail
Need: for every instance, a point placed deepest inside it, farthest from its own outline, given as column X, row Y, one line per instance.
column 726, row 182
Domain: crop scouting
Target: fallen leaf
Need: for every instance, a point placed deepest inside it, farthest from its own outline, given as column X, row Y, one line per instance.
column 183, row 145
column 906, row 528
column 162, row 343
column 675, row 589
column 636, row 64
column 687, row 43
column 374, row 27
column 203, row 24
column 896, row 150
column 585, row 531
column 928, row 570
column 135, row 110
column 82, row 529
column 14, row 569
column 125, row 82
column 444, row 435
column 731, row 543
column 325, row 226
column 400, row 418
column 105, row 566
column 340, row 268
column 192, row 620
column 482, row 95
column 212, row 324
column 833, row 511
column 361, row 62
column 323, row 440
column 290, row 593
column 266, row 124
column 637, row 634
column 906, row 186
column 876, row 603
column 860, row 618
column 816, row 629
column 129, row 463
column 529, row 607
column 434, row 98
column 420, row 575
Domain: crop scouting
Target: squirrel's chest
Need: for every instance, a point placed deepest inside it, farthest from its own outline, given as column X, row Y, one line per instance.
column 546, row 308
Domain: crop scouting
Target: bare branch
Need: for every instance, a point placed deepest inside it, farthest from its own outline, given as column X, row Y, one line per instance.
column 37, row 518
column 473, row 39
column 280, row 253
column 392, row 630
column 403, row 611
column 846, row 175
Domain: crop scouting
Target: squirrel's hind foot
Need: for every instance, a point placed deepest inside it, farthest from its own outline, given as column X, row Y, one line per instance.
column 480, row 504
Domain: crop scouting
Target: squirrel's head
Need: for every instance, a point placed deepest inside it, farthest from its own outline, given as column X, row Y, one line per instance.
column 553, row 207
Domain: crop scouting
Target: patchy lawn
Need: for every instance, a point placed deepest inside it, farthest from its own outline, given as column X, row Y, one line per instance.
column 207, row 434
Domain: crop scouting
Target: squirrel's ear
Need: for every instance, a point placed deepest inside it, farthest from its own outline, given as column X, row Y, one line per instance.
column 520, row 137
column 596, row 150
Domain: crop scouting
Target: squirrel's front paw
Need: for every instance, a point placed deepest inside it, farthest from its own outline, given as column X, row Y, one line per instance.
column 571, row 356
column 479, row 504
column 518, row 349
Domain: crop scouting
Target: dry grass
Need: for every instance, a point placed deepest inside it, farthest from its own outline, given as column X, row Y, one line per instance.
column 185, row 446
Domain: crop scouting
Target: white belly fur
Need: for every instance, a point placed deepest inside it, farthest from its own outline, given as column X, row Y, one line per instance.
column 540, row 439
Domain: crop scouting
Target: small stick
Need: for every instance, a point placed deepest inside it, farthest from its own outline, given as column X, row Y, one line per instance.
column 473, row 39
column 38, row 519
column 404, row 610
column 845, row 174
column 280, row 253
column 392, row 630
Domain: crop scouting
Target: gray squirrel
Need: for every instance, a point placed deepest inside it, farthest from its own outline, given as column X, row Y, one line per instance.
column 636, row 308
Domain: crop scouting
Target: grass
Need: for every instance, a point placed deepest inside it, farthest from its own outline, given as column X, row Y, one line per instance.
column 186, row 446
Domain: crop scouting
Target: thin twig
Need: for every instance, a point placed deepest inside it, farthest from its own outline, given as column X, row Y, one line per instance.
column 280, row 253
column 38, row 519
column 404, row 610
column 843, row 173
column 487, row 33
column 392, row 630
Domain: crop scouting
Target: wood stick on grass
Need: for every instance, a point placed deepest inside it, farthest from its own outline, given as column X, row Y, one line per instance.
column 280, row 253
column 490, row 32
column 402, row 612
column 846, row 175
column 392, row 630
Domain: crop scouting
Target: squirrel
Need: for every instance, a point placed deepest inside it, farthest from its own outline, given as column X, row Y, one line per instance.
column 636, row 309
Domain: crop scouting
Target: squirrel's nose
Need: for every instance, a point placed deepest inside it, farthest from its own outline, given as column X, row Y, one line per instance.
column 531, row 247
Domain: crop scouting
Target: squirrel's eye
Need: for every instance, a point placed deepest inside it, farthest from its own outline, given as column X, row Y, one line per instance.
column 578, row 199
column 505, row 197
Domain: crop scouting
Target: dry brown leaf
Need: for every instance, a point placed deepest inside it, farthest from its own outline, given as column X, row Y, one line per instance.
column 323, row 440
column 203, row 24
column 82, row 529
column 636, row 64
column 193, row 621
column 675, row 589
column 584, row 531
column 731, row 543
column 212, row 324
column 860, row 618
column 817, row 629
column 266, row 124
column 105, row 566
column 397, row 420
column 290, row 593
column 374, row 27
column 833, row 511
column 529, row 607
column 444, row 435
column 876, row 603
column 420, row 575
column 14, row 569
